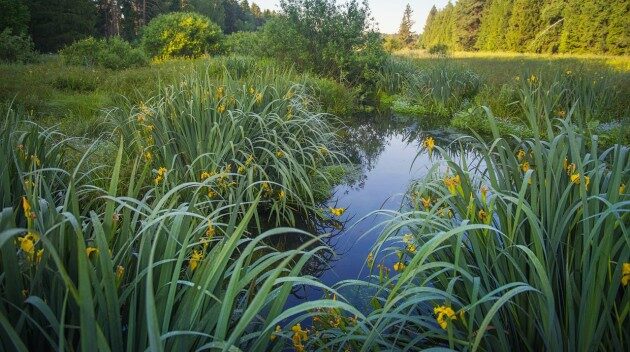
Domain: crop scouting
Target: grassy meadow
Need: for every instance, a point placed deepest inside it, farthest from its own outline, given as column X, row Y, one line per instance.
column 595, row 90
column 168, row 193
column 58, row 94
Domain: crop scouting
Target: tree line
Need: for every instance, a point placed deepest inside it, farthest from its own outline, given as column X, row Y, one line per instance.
column 53, row 24
column 542, row 26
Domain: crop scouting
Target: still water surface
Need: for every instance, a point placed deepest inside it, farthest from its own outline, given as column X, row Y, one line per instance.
column 391, row 157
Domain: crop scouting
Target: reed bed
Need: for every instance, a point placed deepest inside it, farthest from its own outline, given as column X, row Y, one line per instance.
column 524, row 247
column 150, row 261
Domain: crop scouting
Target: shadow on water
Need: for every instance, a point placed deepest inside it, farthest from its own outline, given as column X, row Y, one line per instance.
column 389, row 155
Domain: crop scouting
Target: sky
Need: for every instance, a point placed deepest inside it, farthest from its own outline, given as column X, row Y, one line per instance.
column 387, row 13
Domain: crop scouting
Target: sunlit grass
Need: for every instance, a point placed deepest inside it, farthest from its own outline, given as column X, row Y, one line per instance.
column 621, row 63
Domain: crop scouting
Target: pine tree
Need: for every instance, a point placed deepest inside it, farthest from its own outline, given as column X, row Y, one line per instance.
column 494, row 25
column 585, row 29
column 440, row 28
column 213, row 9
column 467, row 23
column 618, row 38
column 446, row 34
column 428, row 32
column 109, row 17
column 524, row 24
column 405, row 33
column 551, row 27
column 14, row 15
column 56, row 23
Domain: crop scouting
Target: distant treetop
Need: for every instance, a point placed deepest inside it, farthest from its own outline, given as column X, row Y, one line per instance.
column 542, row 26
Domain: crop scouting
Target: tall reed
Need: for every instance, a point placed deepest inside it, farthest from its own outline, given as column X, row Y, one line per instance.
column 259, row 131
column 524, row 247
column 136, row 268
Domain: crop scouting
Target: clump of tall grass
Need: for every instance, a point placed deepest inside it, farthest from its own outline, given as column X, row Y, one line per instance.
column 393, row 75
column 587, row 98
column 441, row 89
column 260, row 131
column 136, row 268
column 524, row 246
column 24, row 147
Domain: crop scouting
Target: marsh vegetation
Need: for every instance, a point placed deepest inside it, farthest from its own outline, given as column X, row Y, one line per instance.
column 298, row 187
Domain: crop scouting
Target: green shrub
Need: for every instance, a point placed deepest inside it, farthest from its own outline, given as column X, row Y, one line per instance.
column 113, row 53
column 181, row 34
column 14, row 14
column 439, row 50
column 392, row 43
column 243, row 43
column 16, row 47
column 344, row 46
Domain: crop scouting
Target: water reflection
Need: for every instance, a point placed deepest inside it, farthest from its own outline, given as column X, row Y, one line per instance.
column 389, row 152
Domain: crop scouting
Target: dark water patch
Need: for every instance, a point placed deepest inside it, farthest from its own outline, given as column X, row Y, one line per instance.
column 390, row 156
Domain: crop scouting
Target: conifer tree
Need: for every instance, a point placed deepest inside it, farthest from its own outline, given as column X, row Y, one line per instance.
column 428, row 32
column 618, row 36
column 14, row 15
column 494, row 25
column 56, row 23
column 585, row 29
column 551, row 26
column 213, row 9
column 523, row 25
column 405, row 33
column 467, row 23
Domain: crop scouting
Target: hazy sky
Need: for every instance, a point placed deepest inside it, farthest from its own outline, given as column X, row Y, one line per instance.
column 387, row 13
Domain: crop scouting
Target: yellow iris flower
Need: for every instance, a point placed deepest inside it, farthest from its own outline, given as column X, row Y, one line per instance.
column 444, row 314
column 194, row 260
column 337, row 211
column 625, row 274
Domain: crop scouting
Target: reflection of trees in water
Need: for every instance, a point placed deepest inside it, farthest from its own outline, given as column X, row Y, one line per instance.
column 365, row 138
column 313, row 224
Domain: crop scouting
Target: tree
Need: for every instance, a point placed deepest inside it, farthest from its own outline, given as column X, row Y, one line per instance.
column 109, row 17
column 468, row 21
column 551, row 26
column 585, row 28
column 445, row 27
column 181, row 34
column 405, row 34
column 56, row 23
column 493, row 26
column 14, row 15
column 429, row 27
column 213, row 9
column 338, row 41
column 618, row 38
column 523, row 25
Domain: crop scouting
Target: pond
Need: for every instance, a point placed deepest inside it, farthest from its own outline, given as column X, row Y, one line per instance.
column 390, row 154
